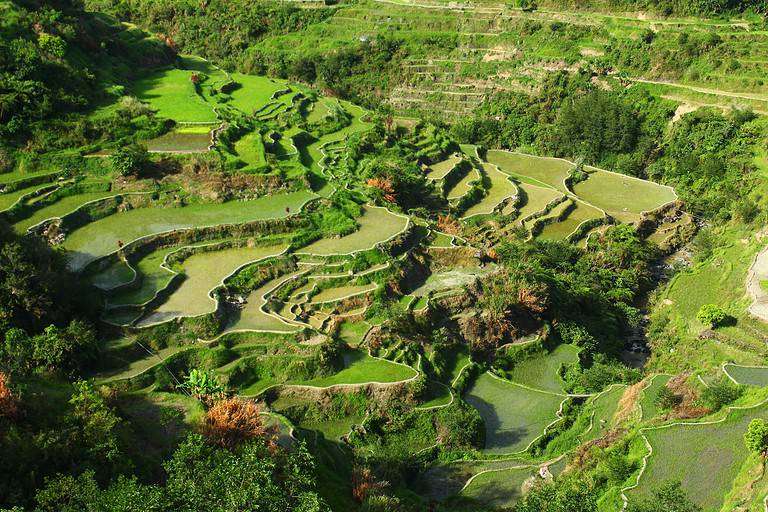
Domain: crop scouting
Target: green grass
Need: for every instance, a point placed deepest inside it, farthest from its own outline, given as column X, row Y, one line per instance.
column 172, row 94
column 540, row 372
column 442, row 240
column 100, row 238
column 203, row 272
column 501, row 189
column 623, row 197
column 59, row 208
column 499, row 489
column 446, row 279
column 250, row 149
column 648, row 401
column 560, row 230
column 376, row 225
column 718, row 280
column 751, row 376
column 604, row 407
column 705, row 458
column 514, row 416
column 532, row 169
column 253, row 318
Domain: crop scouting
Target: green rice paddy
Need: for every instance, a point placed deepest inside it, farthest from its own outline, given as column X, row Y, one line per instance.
column 531, row 169
column 624, row 197
column 203, row 272
column 375, row 226
column 463, row 185
column 536, row 198
column 704, row 457
column 439, row 170
column 253, row 317
column 101, row 237
column 172, row 94
column 560, row 230
column 541, row 371
column 341, row 292
column 500, row 488
column 9, row 199
column 501, row 189
column 514, row 416
column 59, row 208
column 748, row 375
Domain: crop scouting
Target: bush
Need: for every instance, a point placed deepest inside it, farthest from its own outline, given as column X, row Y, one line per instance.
column 232, row 421
column 130, row 160
column 721, row 393
column 756, row 436
column 711, row 315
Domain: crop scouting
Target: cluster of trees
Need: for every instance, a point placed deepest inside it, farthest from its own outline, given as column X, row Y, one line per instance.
column 54, row 59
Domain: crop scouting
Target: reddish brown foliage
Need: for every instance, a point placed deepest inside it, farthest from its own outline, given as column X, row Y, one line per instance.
column 364, row 483
column 448, row 224
column 385, row 185
column 233, row 420
column 9, row 407
column 531, row 299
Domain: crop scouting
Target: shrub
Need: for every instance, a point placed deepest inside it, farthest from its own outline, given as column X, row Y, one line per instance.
column 8, row 405
column 130, row 160
column 232, row 421
column 721, row 393
column 711, row 315
column 667, row 399
column 756, row 436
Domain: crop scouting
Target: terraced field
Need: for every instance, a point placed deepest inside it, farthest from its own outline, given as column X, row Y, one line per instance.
column 375, row 226
column 203, row 272
column 514, row 416
column 712, row 458
column 280, row 305
column 101, row 237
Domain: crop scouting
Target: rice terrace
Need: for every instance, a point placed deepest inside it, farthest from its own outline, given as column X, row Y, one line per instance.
column 384, row 255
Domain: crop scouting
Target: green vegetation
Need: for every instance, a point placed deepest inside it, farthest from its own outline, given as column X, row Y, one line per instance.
column 383, row 255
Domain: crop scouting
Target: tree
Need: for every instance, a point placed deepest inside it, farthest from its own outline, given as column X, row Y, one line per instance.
column 564, row 495
column 251, row 478
column 130, row 160
column 721, row 393
column 669, row 497
column 756, row 436
column 203, row 385
column 711, row 315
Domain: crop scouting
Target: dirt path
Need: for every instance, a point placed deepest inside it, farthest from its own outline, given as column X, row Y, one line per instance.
column 758, row 272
